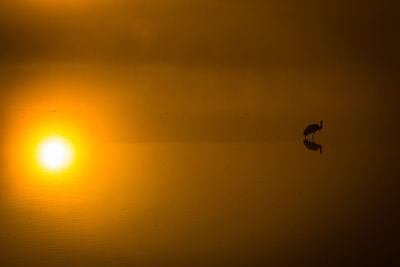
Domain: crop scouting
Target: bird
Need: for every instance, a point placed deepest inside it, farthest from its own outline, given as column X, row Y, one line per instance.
column 313, row 146
column 311, row 129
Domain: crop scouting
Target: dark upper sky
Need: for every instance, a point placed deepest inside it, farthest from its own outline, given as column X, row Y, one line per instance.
column 212, row 33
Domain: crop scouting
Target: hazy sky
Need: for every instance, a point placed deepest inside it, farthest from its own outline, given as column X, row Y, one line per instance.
column 212, row 33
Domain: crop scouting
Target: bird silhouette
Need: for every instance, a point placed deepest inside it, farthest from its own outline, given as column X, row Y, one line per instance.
column 311, row 129
column 313, row 146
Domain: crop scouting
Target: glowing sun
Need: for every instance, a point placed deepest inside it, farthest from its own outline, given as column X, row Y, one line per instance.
column 55, row 153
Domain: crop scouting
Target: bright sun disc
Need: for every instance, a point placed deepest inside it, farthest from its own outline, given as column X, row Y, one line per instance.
column 55, row 153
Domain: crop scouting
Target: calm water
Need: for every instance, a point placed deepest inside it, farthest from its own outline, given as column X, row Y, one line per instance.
column 177, row 173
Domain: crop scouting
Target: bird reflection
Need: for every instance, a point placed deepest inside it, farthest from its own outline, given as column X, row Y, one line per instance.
column 311, row 129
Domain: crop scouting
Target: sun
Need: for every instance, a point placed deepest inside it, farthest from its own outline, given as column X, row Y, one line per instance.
column 55, row 153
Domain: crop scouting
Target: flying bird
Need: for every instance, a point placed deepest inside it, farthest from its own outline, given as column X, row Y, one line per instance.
column 311, row 129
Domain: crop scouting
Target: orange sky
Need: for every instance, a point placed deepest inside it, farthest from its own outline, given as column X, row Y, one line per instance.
column 187, row 120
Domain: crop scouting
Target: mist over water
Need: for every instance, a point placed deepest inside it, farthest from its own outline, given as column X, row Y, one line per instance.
column 216, row 175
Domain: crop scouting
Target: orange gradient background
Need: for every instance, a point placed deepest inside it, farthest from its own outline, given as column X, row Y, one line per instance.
column 186, row 121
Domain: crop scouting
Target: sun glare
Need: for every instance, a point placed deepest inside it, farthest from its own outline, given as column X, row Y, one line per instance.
column 55, row 153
